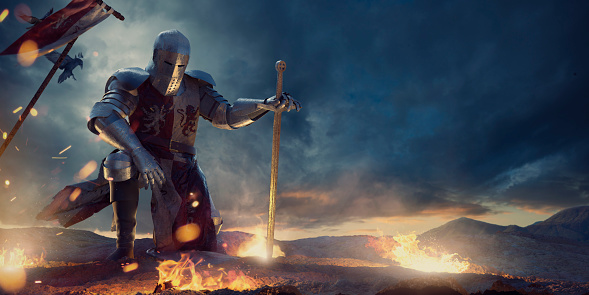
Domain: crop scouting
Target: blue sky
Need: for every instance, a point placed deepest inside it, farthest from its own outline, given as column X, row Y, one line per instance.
column 414, row 112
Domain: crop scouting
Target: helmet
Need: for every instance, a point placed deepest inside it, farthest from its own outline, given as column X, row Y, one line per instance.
column 171, row 50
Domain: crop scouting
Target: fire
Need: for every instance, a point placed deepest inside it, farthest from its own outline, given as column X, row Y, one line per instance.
column 257, row 247
column 404, row 249
column 12, row 274
column 187, row 275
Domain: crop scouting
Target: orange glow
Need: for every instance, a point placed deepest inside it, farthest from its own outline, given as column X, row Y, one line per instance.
column 28, row 53
column 3, row 15
column 87, row 169
column 184, row 275
column 34, row 112
column 12, row 279
column 17, row 258
column 130, row 267
column 404, row 250
column 7, row 182
column 256, row 246
column 17, row 110
column 75, row 194
column 187, row 233
column 195, row 204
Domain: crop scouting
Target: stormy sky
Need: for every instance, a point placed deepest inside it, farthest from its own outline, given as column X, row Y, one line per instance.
column 414, row 112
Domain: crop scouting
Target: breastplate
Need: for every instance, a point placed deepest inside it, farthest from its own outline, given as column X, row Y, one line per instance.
column 168, row 117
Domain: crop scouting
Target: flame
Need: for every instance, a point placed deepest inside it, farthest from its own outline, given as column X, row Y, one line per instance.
column 257, row 247
column 3, row 15
column 27, row 53
column 12, row 274
column 184, row 275
column 404, row 249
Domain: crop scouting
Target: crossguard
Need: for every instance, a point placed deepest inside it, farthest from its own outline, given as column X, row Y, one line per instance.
column 280, row 68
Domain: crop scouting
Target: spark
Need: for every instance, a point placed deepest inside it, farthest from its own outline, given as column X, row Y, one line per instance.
column 28, row 53
column 4, row 135
column 16, row 148
column 3, row 15
column 38, row 282
column 17, row 110
column 59, row 158
column 59, row 233
column 34, row 112
column 67, row 148
column 7, row 182
column 195, row 204
column 13, row 199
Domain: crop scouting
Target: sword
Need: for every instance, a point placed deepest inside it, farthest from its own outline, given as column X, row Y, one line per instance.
column 280, row 67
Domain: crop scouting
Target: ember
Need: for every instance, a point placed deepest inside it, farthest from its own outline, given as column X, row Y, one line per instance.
column 28, row 53
column 404, row 250
column 3, row 15
column 17, row 110
column 184, row 275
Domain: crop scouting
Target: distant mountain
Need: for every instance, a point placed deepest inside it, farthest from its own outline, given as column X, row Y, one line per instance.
column 571, row 223
column 462, row 226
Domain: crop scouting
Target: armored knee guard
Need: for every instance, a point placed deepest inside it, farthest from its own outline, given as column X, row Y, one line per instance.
column 118, row 167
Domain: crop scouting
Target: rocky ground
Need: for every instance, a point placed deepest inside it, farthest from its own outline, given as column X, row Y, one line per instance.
column 325, row 265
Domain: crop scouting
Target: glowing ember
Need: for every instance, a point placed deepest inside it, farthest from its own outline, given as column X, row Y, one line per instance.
column 7, row 182
column 67, row 148
column 59, row 158
column 38, row 282
column 28, row 53
column 16, row 148
column 17, row 110
column 3, row 15
column 13, row 199
column 75, row 194
column 187, row 233
column 95, row 53
column 130, row 267
column 195, row 204
column 257, row 247
column 404, row 250
column 87, row 169
column 34, row 112
column 4, row 135
column 184, row 275
column 59, row 233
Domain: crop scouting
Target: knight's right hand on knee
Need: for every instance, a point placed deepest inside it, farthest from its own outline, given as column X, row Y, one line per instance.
column 149, row 170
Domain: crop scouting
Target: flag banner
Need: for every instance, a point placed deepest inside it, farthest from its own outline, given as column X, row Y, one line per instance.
column 61, row 27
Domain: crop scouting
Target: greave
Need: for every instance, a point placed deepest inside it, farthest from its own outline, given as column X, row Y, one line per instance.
column 125, row 197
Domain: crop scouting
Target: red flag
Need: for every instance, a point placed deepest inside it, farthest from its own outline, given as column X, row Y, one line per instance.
column 63, row 26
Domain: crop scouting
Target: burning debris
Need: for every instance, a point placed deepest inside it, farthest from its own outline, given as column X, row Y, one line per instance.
column 12, row 264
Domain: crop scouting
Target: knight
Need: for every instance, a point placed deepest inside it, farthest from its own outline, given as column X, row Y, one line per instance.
column 150, row 116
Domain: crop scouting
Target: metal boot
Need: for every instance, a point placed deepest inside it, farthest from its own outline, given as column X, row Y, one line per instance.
column 125, row 197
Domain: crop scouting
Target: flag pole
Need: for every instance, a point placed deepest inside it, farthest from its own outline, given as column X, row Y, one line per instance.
column 27, row 110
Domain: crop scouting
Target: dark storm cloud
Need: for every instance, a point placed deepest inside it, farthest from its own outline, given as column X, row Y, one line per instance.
column 410, row 108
